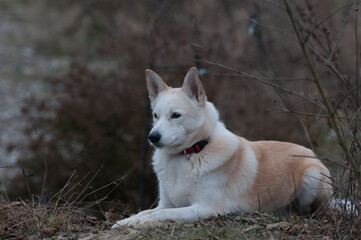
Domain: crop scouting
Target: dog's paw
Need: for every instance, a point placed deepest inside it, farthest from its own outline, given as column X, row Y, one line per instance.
column 118, row 224
column 144, row 221
column 123, row 222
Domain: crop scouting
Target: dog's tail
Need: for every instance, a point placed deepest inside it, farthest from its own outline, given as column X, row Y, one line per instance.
column 347, row 206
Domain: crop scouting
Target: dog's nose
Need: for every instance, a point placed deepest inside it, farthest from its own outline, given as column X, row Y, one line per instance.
column 155, row 137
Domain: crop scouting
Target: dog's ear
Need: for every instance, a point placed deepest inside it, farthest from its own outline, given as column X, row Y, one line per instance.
column 155, row 84
column 193, row 86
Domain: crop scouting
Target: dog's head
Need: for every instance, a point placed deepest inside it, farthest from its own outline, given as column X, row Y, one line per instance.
column 179, row 114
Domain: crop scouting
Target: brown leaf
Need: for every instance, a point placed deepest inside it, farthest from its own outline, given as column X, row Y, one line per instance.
column 281, row 225
column 294, row 230
column 50, row 230
column 250, row 228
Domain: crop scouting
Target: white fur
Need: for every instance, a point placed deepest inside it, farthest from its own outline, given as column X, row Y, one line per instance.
column 224, row 176
column 308, row 191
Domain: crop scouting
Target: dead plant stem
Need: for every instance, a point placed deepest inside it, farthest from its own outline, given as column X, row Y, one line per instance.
column 357, row 58
column 269, row 83
column 320, row 89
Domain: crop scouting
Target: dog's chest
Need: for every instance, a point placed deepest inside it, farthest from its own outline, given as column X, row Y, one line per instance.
column 178, row 182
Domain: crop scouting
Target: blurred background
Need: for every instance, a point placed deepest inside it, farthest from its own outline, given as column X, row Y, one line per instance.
column 73, row 101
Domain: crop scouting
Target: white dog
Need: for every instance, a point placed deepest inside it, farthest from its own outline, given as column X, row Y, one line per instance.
column 203, row 169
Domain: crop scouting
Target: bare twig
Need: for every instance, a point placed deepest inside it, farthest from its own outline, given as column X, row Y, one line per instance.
column 277, row 79
column 357, row 58
column 279, row 30
column 320, row 89
column 324, row 20
column 261, row 79
column 284, row 110
column 275, row 4
column 45, row 176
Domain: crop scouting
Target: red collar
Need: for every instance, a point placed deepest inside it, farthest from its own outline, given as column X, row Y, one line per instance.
column 195, row 148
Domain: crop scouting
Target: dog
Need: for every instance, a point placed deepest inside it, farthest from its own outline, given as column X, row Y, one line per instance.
column 203, row 169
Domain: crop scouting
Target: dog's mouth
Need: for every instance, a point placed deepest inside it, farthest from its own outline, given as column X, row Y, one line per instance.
column 162, row 145
column 157, row 145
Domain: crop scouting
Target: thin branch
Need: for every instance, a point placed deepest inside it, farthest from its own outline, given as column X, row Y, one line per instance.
column 275, row 4
column 346, row 95
column 340, row 34
column 284, row 110
column 279, row 30
column 324, row 20
column 278, row 79
column 45, row 176
column 333, row 49
column 261, row 79
column 354, row 119
column 357, row 57
column 320, row 89
column 328, row 63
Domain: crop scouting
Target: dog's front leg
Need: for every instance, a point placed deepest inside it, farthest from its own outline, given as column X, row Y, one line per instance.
column 164, row 203
column 184, row 214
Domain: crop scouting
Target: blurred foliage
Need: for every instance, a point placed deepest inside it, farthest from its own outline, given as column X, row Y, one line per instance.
column 88, row 124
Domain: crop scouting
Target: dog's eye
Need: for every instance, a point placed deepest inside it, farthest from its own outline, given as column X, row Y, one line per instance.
column 176, row 115
column 155, row 115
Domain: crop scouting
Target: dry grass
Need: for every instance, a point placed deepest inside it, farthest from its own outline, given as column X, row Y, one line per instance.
column 330, row 224
column 24, row 220
column 21, row 220
column 68, row 213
